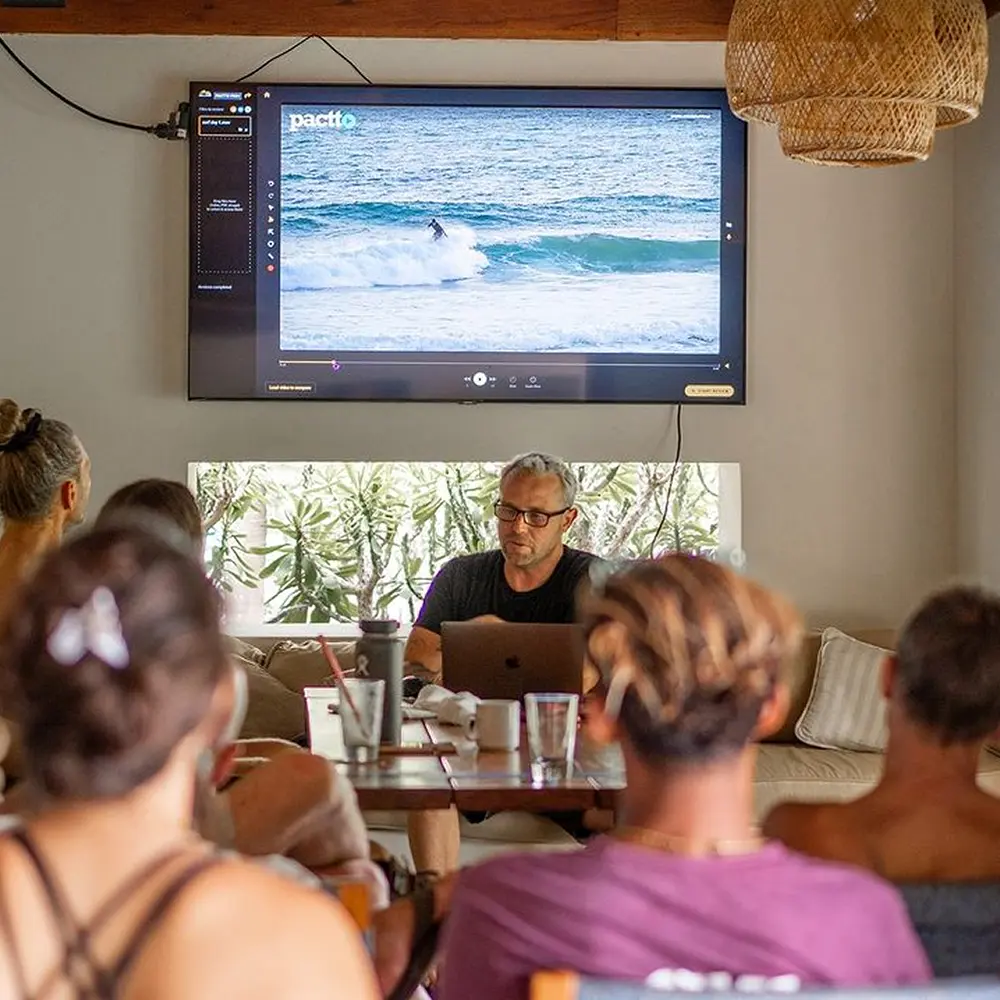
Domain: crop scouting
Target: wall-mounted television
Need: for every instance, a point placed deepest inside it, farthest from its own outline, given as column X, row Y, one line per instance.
column 466, row 244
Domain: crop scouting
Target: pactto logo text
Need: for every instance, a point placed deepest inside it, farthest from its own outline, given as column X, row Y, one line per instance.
column 325, row 119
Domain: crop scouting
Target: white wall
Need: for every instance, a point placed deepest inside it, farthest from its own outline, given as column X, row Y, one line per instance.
column 846, row 445
column 977, row 288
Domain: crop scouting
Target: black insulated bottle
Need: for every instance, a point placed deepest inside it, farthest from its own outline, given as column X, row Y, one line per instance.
column 379, row 655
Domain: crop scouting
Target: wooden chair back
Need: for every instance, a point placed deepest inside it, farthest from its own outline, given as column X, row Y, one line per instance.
column 356, row 897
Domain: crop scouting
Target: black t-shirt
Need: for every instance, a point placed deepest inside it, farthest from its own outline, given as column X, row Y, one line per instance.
column 470, row 586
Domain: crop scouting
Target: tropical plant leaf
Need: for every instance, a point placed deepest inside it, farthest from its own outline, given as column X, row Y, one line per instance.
column 336, row 541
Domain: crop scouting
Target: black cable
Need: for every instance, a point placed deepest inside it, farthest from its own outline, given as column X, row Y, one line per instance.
column 291, row 48
column 150, row 129
column 164, row 130
column 670, row 485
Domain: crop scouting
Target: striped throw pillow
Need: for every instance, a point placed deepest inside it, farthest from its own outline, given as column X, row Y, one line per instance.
column 846, row 710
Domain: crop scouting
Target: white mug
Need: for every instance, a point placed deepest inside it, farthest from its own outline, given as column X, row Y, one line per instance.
column 498, row 724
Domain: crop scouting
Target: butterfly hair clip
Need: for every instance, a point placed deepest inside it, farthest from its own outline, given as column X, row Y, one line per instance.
column 93, row 630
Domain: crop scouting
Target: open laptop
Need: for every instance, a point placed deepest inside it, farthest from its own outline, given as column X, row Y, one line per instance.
column 511, row 659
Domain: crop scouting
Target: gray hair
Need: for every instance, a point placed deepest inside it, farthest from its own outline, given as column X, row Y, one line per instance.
column 31, row 475
column 537, row 463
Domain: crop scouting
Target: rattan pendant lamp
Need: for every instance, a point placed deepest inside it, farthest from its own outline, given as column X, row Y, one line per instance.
column 857, row 82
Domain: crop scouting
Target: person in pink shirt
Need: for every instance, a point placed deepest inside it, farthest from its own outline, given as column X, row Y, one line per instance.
column 684, row 892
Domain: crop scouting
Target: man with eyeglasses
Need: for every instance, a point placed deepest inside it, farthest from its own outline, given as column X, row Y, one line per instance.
column 532, row 577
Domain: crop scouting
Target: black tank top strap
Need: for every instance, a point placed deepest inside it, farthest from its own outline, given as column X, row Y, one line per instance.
column 133, row 883
column 7, row 932
column 156, row 913
column 57, row 901
column 78, row 964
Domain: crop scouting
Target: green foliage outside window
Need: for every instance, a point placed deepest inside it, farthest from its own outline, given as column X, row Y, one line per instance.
column 337, row 541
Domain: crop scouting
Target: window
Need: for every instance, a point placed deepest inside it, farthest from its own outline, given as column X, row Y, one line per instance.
column 339, row 541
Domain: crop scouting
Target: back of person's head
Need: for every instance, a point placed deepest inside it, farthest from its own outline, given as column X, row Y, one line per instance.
column 948, row 665
column 690, row 652
column 110, row 656
column 538, row 463
column 37, row 455
column 165, row 499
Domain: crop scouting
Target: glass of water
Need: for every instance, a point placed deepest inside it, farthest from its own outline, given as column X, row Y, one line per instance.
column 551, row 720
column 362, row 728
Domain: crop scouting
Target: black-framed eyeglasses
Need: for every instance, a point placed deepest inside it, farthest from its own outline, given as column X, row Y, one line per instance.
column 532, row 518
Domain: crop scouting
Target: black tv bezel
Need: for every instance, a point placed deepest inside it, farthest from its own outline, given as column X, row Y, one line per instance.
column 733, row 281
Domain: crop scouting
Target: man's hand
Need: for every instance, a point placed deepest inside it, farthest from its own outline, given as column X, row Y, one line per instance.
column 423, row 651
column 491, row 619
column 423, row 654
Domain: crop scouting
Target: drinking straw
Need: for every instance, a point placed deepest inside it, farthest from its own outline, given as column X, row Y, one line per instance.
column 338, row 674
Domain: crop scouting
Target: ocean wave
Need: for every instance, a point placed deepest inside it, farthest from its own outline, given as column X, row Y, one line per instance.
column 605, row 254
column 584, row 211
column 389, row 263
column 401, row 262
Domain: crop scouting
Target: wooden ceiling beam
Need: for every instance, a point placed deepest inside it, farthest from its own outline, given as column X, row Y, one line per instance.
column 530, row 19
column 585, row 20
column 674, row 20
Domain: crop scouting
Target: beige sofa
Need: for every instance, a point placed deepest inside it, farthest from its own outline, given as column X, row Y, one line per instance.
column 786, row 768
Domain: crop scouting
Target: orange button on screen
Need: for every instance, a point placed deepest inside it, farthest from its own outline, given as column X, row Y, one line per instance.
column 709, row 391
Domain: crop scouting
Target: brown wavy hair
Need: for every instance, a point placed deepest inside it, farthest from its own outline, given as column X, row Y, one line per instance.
column 689, row 651
column 92, row 731
column 164, row 498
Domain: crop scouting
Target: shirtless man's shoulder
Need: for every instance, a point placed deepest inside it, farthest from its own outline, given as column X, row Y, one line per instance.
column 821, row 829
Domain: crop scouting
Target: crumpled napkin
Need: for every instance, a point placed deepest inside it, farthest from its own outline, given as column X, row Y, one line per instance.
column 450, row 708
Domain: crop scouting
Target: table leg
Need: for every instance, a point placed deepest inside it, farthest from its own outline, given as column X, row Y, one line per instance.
column 434, row 839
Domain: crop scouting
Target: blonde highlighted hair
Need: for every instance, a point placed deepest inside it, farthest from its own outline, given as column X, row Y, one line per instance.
column 47, row 455
column 689, row 651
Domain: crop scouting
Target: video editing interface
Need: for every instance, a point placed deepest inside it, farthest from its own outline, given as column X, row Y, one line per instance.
column 466, row 244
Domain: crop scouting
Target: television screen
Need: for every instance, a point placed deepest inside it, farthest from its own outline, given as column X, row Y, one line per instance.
column 487, row 244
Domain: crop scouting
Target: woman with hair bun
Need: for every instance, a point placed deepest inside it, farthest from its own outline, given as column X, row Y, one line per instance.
column 684, row 893
column 44, row 487
column 114, row 662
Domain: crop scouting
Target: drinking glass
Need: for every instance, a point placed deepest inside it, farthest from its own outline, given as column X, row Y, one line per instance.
column 551, row 720
column 362, row 729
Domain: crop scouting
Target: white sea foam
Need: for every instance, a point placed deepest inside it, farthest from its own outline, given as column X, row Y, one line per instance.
column 619, row 313
column 387, row 262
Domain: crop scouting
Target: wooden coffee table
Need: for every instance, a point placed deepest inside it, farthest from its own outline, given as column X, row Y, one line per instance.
column 486, row 781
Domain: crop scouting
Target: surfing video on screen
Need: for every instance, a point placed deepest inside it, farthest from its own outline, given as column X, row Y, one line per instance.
column 500, row 229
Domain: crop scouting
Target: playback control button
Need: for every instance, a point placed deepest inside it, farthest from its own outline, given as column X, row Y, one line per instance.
column 479, row 379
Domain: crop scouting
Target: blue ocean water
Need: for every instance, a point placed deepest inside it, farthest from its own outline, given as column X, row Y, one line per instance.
column 590, row 230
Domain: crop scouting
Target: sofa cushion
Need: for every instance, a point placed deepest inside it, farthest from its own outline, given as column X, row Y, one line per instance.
column 817, row 767
column 299, row 665
column 801, row 672
column 244, row 651
column 272, row 709
column 809, row 774
column 846, row 709
column 799, row 678
column 988, row 777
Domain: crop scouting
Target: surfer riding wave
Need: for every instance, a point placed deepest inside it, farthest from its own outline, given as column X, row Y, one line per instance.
column 438, row 229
